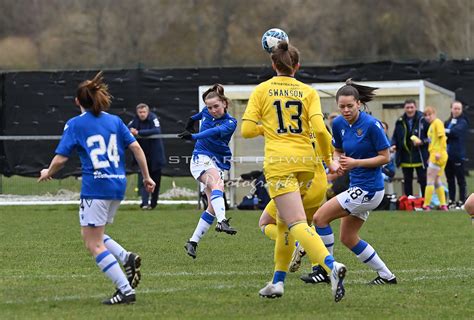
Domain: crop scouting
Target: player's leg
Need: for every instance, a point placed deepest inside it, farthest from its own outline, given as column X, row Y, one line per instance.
column 291, row 210
column 440, row 192
column 328, row 212
column 212, row 179
column 349, row 234
column 431, row 174
column 469, row 206
column 312, row 201
column 93, row 240
column 284, row 245
column 94, row 215
column 267, row 221
column 131, row 261
column 205, row 222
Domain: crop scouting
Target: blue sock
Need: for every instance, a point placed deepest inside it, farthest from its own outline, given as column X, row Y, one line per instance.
column 279, row 276
column 326, row 234
column 367, row 255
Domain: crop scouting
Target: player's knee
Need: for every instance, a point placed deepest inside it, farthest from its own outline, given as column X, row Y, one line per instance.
column 469, row 205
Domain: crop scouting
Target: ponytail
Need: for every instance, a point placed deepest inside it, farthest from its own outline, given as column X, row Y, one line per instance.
column 93, row 95
column 285, row 57
column 361, row 93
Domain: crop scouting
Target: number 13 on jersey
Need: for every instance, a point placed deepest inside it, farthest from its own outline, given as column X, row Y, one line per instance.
column 295, row 116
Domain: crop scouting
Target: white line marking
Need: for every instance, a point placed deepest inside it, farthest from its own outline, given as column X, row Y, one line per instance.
column 255, row 287
column 221, row 273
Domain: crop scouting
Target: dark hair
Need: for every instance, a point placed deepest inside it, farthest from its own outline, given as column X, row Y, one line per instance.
column 361, row 93
column 285, row 57
column 217, row 90
column 409, row 101
column 385, row 124
column 93, row 94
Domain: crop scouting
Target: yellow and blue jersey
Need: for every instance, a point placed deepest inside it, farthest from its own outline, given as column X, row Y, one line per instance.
column 361, row 140
column 214, row 137
column 100, row 142
column 284, row 107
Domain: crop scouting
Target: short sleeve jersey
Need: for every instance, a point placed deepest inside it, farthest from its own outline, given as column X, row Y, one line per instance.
column 361, row 140
column 284, row 107
column 100, row 142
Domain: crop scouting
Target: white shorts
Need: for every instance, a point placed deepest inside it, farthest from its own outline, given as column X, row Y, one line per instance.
column 201, row 163
column 357, row 202
column 433, row 166
column 97, row 212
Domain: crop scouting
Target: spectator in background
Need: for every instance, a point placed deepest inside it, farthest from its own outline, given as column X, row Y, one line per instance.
column 457, row 127
column 144, row 124
column 410, row 142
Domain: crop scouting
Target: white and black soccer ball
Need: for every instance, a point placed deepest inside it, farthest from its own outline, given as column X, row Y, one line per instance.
column 272, row 37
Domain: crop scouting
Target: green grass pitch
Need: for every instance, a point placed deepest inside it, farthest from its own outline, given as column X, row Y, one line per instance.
column 46, row 273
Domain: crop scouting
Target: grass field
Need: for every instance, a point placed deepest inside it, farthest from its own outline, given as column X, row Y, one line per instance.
column 17, row 185
column 46, row 273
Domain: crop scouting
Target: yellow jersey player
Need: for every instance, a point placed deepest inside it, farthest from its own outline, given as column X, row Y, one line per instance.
column 282, row 109
column 437, row 161
column 312, row 200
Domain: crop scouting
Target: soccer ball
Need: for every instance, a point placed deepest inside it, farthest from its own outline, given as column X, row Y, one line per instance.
column 272, row 37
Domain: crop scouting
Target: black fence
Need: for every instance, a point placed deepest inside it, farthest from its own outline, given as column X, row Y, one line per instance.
column 39, row 103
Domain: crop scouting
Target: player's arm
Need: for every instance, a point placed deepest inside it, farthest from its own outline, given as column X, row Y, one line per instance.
column 322, row 136
column 382, row 157
column 141, row 160
column 252, row 116
column 251, row 129
column 56, row 164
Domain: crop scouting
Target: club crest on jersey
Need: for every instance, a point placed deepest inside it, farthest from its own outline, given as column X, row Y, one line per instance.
column 342, row 132
column 359, row 132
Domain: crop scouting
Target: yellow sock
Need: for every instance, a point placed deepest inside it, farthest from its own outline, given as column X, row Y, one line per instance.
column 270, row 230
column 312, row 244
column 441, row 195
column 284, row 246
column 428, row 194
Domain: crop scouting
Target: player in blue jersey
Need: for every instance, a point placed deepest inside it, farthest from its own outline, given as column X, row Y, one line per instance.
column 100, row 140
column 362, row 149
column 211, row 156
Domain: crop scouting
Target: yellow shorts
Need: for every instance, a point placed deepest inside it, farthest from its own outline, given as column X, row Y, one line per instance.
column 312, row 200
column 278, row 185
column 438, row 164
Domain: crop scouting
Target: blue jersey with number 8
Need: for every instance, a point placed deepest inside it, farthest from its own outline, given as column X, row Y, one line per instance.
column 100, row 142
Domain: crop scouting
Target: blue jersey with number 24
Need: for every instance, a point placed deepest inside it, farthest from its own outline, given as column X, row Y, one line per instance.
column 100, row 142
